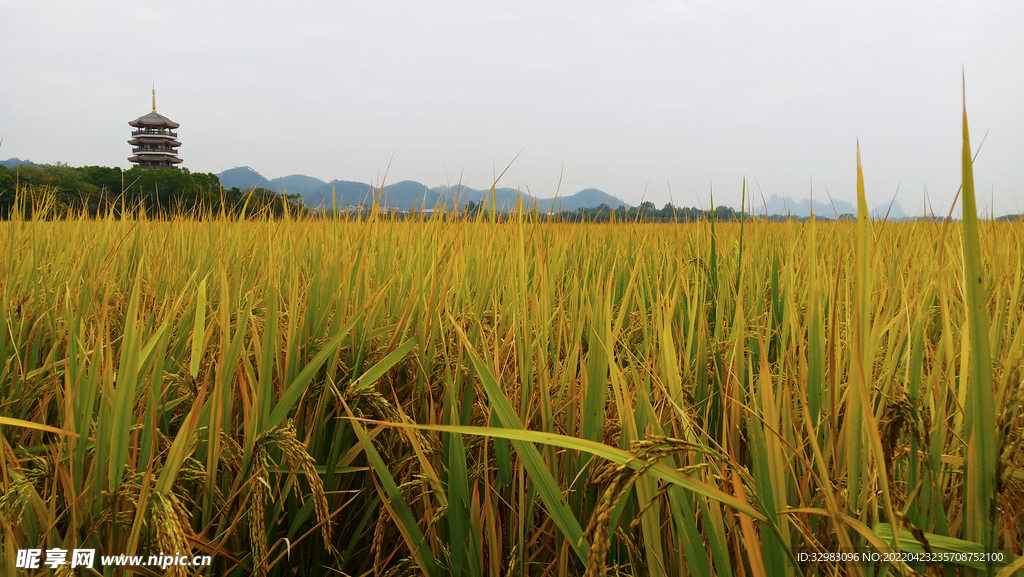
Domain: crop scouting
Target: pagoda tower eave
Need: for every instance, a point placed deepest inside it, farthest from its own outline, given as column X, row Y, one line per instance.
column 171, row 159
column 141, row 141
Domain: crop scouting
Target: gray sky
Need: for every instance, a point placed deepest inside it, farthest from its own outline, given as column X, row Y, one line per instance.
column 622, row 96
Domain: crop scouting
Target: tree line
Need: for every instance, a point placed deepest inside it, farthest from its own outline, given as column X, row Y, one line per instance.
column 101, row 190
column 646, row 212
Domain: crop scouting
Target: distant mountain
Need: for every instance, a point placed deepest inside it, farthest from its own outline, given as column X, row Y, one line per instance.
column 12, row 162
column 340, row 193
column 802, row 208
column 296, row 184
column 407, row 194
column 242, row 177
column 894, row 213
column 245, row 177
column 586, row 198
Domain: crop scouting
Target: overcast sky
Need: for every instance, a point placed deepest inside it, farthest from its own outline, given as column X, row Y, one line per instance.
column 621, row 96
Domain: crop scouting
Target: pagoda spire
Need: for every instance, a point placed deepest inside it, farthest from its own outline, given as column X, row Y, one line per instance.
column 154, row 98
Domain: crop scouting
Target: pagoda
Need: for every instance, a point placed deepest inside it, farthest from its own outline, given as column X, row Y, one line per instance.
column 154, row 142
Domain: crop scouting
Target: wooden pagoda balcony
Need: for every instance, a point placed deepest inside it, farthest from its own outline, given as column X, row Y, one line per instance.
column 155, row 132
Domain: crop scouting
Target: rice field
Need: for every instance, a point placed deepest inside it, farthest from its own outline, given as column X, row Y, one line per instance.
column 303, row 396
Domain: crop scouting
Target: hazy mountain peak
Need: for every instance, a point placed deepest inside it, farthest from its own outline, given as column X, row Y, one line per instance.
column 12, row 162
column 781, row 205
column 246, row 177
column 242, row 177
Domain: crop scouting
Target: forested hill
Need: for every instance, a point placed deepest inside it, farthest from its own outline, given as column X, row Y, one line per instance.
column 96, row 189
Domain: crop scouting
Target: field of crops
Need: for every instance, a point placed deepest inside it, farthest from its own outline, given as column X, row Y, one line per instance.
column 451, row 397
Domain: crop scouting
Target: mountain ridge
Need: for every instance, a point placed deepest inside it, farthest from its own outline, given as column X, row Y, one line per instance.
column 15, row 161
column 409, row 194
column 784, row 205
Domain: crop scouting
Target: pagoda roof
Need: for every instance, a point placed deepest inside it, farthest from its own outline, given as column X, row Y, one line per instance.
column 154, row 119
